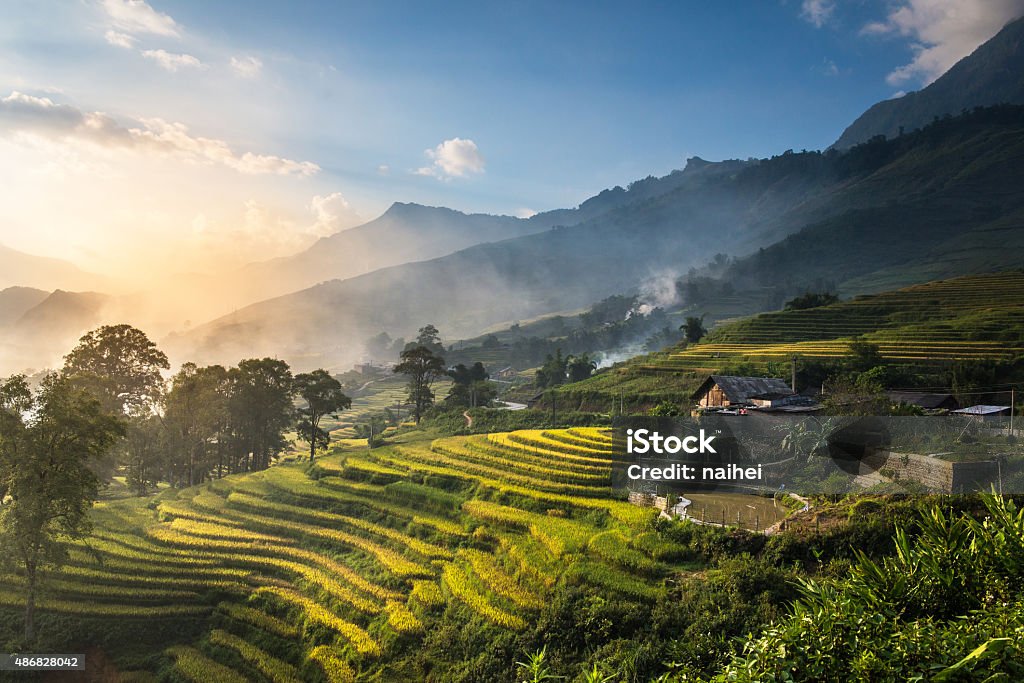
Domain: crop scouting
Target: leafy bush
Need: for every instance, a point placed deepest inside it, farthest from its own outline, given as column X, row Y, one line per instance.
column 947, row 606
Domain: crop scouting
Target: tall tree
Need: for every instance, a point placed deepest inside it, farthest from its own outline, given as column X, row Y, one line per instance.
column 121, row 366
column 196, row 422
column 323, row 396
column 429, row 338
column 46, row 443
column 580, row 368
column 693, row 328
column 144, row 453
column 552, row 373
column 422, row 367
column 261, row 409
column 470, row 386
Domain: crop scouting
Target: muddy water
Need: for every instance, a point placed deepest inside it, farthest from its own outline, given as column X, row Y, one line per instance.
column 755, row 512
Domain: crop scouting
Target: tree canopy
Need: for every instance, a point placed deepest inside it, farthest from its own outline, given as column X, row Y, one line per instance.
column 47, row 441
column 422, row 366
column 323, row 396
column 470, row 386
column 120, row 366
column 693, row 328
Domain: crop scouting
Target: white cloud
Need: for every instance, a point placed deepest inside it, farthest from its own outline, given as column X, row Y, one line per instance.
column 817, row 12
column 383, row 169
column 942, row 32
column 332, row 213
column 136, row 16
column 453, row 158
column 829, row 68
column 525, row 212
column 119, row 39
column 172, row 61
column 247, row 66
column 41, row 116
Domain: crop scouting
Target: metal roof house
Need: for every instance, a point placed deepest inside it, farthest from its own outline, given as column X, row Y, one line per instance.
column 725, row 390
column 983, row 412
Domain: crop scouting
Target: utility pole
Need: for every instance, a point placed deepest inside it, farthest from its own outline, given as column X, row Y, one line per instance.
column 792, row 383
column 1012, row 396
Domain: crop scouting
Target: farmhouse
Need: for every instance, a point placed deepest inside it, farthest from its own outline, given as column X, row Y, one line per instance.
column 720, row 391
column 926, row 400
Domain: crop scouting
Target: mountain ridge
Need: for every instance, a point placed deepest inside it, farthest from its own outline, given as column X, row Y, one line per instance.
column 992, row 74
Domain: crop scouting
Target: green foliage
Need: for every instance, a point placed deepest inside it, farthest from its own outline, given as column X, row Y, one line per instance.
column 120, row 366
column 553, row 372
column 470, row 387
column 47, row 443
column 422, row 366
column 323, row 396
column 947, row 605
column 693, row 329
column 811, row 300
column 261, row 410
column 579, row 368
column 535, row 669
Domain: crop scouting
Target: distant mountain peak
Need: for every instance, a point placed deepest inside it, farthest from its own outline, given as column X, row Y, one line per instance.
column 406, row 209
column 992, row 74
column 695, row 164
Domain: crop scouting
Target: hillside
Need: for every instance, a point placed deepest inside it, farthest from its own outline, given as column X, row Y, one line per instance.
column 411, row 232
column 27, row 270
column 43, row 333
column 15, row 301
column 405, row 232
column 992, row 74
column 888, row 204
column 922, row 332
column 974, row 318
column 940, row 202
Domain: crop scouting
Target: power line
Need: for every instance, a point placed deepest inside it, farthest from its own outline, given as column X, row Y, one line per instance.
column 947, row 390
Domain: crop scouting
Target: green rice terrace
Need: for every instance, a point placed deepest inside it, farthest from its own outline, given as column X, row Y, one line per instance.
column 373, row 398
column 974, row 318
column 322, row 573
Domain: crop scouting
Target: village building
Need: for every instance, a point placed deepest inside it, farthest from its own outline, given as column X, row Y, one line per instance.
column 984, row 413
column 723, row 391
column 508, row 373
column 926, row 400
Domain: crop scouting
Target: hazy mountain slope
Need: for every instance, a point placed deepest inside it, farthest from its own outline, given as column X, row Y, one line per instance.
column 411, row 232
column 992, row 74
column 61, row 313
column 15, row 301
column 405, row 232
column 735, row 211
column 26, row 270
column 44, row 333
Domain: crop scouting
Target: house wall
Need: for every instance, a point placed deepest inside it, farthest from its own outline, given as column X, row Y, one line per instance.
column 714, row 397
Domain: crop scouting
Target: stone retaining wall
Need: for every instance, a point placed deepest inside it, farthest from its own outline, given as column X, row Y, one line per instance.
column 939, row 475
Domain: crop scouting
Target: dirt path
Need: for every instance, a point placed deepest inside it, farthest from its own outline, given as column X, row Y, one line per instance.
column 469, row 419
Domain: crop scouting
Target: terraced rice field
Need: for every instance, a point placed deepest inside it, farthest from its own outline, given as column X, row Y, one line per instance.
column 378, row 394
column 974, row 318
column 316, row 574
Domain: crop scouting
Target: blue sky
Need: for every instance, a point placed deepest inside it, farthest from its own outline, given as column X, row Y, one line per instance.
column 273, row 123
